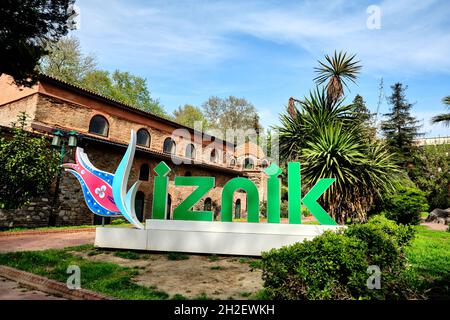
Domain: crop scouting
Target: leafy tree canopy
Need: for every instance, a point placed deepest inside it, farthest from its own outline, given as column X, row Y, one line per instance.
column 66, row 61
column 231, row 113
column 123, row 87
column 26, row 28
column 27, row 166
column 188, row 115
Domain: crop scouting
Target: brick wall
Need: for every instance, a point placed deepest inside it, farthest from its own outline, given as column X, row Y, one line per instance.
column 73, row 112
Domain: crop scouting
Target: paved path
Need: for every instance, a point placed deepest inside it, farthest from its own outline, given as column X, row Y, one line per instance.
column 11, row 290
column 31, row 242
column 435, row 226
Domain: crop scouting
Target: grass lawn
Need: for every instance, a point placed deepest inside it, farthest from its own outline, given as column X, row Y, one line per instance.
column 429, row 257
column 428, row 273
column 107, row 278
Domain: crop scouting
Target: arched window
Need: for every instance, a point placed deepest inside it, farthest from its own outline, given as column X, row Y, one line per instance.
column 213, row 156
column 233, row 162
column 207, row 206
column 169, row 146
column 139, row 205
column 190, row 151
column 237, row 209
column 264, row 164
column 144, row 172
column 99, row 125
column 143, row 138
column 248, row 163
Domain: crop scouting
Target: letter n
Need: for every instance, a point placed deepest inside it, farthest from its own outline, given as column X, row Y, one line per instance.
column 252, row 199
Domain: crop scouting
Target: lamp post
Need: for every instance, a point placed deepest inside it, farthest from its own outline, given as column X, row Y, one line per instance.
column 60, row 140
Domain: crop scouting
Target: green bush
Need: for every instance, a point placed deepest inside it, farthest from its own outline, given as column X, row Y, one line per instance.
column 385, row 241
column 440, row 200
column 284, row 207
column 334, row 265
column 305, row 212
column 405, row 206
column 328, row 267
column 118, row 221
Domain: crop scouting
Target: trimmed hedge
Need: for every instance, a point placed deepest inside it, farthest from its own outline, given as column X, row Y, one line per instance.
column 334, row 265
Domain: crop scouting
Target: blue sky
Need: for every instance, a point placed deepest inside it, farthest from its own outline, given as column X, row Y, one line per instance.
column 265, row 51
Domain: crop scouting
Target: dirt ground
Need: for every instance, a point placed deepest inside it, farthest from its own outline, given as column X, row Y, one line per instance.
column 435, row 226
column 221, row 277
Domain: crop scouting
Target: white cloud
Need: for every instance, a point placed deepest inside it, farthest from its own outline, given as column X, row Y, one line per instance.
column 181, row 42
column 199, row 33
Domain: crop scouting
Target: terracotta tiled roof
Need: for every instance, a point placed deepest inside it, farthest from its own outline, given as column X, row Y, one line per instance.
column 92, row 94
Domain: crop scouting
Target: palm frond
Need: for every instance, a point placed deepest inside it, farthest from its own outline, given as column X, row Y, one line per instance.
column 337, row 70
column 444, row 117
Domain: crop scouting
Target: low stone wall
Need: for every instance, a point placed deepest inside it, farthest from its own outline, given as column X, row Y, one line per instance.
column 36, row 214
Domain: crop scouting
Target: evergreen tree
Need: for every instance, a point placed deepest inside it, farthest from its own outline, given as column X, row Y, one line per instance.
column 26, row 27
column 362, row 113
column 400, row 128
column 364, row 117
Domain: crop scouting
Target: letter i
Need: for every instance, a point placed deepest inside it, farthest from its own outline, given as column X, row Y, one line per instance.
column 160, row 185
column 273, row 193
column 294, row 193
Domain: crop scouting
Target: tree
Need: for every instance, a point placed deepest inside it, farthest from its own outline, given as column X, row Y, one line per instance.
column 27, row 166
column 444, row 117
column 123, row 87
column 66, row 61
column 364, row 117
column 231, row 113
column 336, row 70
column 26, row 27
column 431, row 173
column 328, row 143
column 400, row 128
column 300, row 126
column 188, row 115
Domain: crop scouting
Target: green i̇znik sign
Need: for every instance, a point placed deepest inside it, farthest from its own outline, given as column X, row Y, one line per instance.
column 204, row 184
column 106, row 193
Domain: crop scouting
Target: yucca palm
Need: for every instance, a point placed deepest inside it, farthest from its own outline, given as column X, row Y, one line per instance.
column 443, row 117
column 336, row 70
column 300, row 126
column 329, row 143
column 362, row 171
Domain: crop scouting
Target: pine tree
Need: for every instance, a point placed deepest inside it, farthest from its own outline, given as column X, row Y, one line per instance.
column 400, row 128
column 364, row 117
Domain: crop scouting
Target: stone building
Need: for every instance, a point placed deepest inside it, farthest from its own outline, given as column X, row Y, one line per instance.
column 103, row 129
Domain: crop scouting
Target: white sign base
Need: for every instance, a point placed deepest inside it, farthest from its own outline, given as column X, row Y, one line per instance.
column 233, row 238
